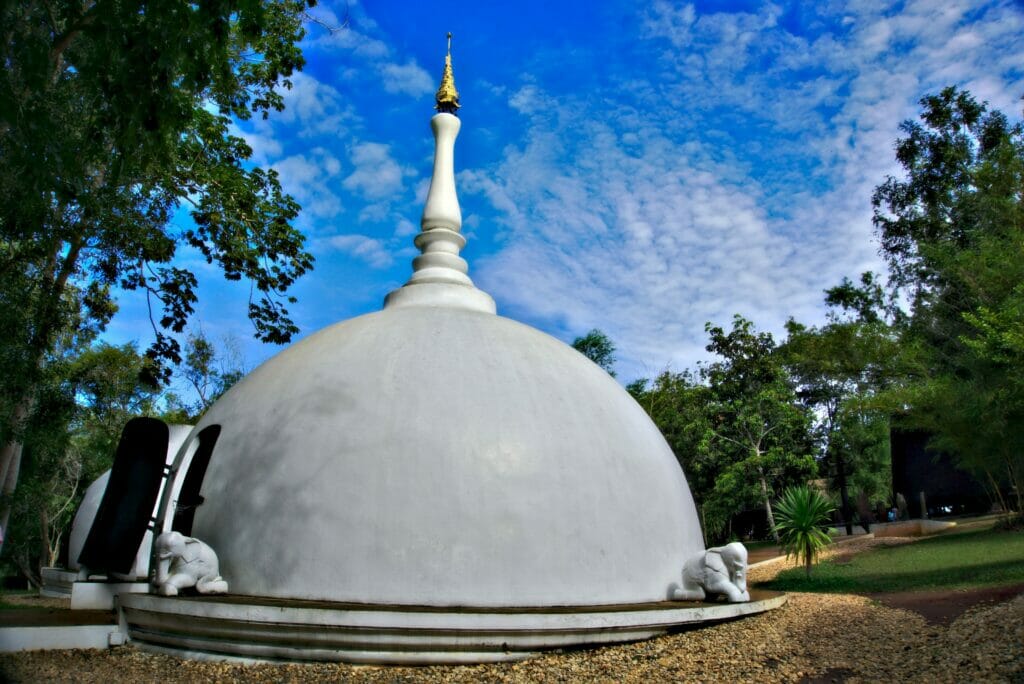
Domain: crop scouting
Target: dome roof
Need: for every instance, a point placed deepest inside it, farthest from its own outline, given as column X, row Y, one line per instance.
column 442, row 456
column 435, row 453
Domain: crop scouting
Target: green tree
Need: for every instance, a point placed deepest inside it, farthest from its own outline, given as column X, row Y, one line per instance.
column 736, row 427
column 208, row 372
column 49, row 486
column 597, row 347
column 86, row 399
column 108, row 390
column 112, row 116
column 754, row 417
column 952, row 231
column 839, row 368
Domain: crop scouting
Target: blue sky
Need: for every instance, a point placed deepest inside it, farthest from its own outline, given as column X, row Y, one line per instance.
column 641, row 168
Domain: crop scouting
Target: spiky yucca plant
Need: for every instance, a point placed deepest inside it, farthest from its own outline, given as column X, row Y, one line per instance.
column 801, row 515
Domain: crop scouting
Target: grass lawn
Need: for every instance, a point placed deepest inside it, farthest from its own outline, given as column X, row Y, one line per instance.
column 955, row 561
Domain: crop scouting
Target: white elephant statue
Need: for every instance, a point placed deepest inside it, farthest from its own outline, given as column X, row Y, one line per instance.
column 719, row 570
column 186, row 562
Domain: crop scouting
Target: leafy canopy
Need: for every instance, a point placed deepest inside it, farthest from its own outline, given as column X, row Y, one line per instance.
column 117, row 156
column 952, row 230
column 736, row 427
column 114, row 114
column 597, row 347
column 839, row 369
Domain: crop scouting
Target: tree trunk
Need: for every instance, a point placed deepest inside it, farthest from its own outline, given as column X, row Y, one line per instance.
column 768, row 504
column 59, row 268
column 1016, row 485
column 10, row 464
column 44, row 541
column 35, row 581
column 996, row 492
column 844, row 492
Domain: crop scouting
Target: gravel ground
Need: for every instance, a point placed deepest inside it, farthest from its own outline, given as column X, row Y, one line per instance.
column 814, row 638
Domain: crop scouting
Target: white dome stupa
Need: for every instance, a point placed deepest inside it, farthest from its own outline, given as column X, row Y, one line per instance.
column 430, row 482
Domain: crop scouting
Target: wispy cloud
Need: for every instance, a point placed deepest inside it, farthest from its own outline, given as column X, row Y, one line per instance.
column 641, row 168
column 408, row 79
column 313, row 107
column 372, row 251
column 309, row 178
column 735, row 177
column 377, row 175
column 358, row 37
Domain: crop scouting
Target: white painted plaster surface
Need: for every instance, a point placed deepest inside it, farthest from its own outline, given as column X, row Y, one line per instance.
column 441, row 210
column 439, row 275
column 449, row 295
column 57, row 582
column 14, row 639
column 101, row 595
column 441, row 456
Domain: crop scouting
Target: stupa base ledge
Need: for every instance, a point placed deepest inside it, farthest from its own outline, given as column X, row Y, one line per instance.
column 441, row 294
column 252, row 629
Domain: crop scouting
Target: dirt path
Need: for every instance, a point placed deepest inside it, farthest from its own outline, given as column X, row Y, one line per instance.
column 943, row 607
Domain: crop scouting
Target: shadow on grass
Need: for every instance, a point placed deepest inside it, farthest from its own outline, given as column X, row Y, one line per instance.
column 832, row 578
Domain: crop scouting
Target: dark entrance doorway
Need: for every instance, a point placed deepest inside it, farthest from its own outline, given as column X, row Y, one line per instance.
column 189, row 497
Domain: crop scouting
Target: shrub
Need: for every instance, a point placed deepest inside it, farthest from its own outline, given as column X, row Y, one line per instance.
column 801, row 516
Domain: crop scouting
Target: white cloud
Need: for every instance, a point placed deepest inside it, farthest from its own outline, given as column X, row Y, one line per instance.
column 355, row 34
column 407, row 79
column 344, row 29
column 313, row 107
column 372, row 251
column 264, row 147
column 377, row 175
column 404, row 228
column 309, row 178
column 646, row 246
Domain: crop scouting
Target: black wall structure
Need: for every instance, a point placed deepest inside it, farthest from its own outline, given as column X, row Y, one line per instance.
column 948, row 490
column 127, row 506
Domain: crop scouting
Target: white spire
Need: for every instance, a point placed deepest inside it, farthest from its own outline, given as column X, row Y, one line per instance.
column 439, row 273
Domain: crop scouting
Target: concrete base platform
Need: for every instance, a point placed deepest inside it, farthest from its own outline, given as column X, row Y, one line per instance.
column 57, row 582
column 100, row 595
column 254, row 629
column 96, row 593
column 37, row 629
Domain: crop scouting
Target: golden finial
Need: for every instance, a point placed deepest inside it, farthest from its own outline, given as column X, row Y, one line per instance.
column 447, row 95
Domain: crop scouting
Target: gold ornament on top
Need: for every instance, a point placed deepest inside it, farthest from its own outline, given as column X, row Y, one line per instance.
column 447, row 96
